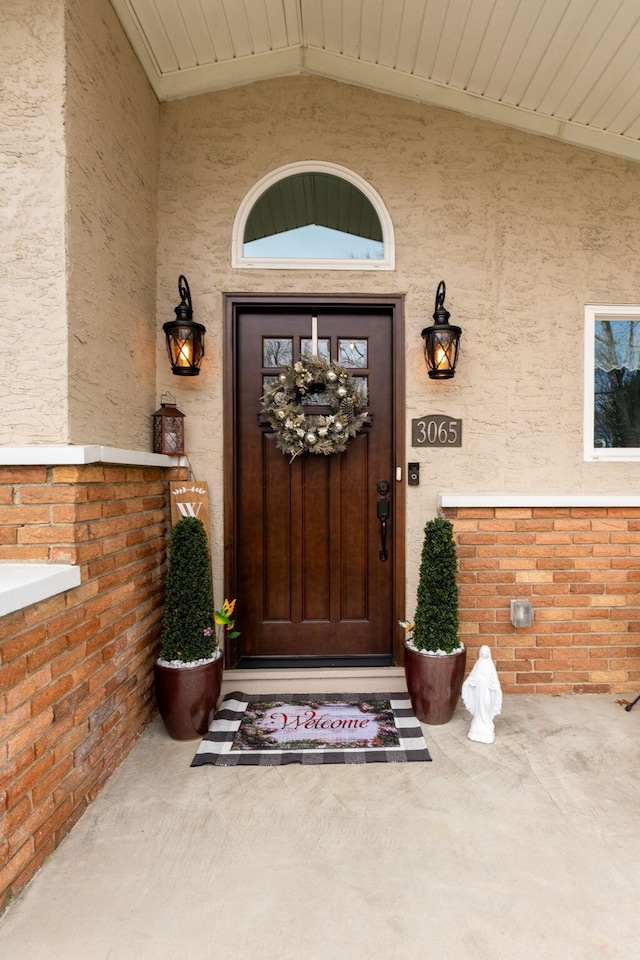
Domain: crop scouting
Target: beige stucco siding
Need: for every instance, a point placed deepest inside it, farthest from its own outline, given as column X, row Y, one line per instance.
column 524, row 231
column 33, row 358
column 112, row 125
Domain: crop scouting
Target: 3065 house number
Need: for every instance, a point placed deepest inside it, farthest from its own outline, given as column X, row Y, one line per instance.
column 436, row 431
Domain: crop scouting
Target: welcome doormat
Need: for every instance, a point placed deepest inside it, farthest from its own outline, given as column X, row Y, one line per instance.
column 261, row 730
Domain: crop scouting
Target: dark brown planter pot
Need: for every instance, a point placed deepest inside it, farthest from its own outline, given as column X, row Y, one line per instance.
column 434, row 684
column 187, row 697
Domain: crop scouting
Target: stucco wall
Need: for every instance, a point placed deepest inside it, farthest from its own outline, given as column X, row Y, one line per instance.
column 112, row 125
column 33, row 354
column 524, row 231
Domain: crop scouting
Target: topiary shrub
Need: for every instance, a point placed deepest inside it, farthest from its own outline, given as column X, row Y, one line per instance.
column 435, row 625
column 188, row 631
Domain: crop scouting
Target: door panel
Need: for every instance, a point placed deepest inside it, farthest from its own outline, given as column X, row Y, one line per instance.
column 309, row 577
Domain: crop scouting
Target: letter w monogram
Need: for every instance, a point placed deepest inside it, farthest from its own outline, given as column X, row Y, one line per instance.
column 189, row 509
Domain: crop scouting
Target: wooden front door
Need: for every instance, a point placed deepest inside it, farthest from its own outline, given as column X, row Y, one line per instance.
column 314, row 580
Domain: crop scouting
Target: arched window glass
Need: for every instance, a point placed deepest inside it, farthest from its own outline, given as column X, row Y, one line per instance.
column 304, row 216
column 314, row 216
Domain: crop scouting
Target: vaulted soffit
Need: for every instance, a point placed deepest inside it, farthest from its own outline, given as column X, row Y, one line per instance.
column 565, row 69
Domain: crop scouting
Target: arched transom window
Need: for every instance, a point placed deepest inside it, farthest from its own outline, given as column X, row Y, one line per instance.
column 313, row 216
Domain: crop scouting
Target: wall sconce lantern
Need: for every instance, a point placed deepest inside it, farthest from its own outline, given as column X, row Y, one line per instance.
column 521, row 613
column 168, row 428
column 185, row 337
column 441, row 341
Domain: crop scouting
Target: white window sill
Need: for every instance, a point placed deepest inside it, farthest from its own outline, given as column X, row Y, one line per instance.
column 270, row 263
column 536, row 500
column 22, row 584
column 617, row 455
column 54, row 455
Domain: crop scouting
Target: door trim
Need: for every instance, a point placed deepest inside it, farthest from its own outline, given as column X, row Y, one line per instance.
column 235, row 302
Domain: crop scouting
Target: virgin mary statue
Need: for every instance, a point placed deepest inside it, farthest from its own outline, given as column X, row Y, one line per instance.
column 482, row 696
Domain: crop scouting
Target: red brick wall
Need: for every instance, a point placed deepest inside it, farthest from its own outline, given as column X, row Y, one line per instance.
column 580, row 567
column 76, row 669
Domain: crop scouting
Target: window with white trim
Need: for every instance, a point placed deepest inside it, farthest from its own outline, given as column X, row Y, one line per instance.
column 313, row 215
column 612, row 382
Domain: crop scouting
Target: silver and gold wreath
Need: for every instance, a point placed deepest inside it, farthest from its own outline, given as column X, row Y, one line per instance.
column 319, row 381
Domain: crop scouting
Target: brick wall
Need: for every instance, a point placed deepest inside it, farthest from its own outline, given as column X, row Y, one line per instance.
column 76, row 669
column 580, row 567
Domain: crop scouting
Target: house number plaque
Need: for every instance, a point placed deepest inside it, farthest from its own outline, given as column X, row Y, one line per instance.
column 436, row 431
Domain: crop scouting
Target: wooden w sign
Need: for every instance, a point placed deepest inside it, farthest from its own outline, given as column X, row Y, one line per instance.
column 189, row 499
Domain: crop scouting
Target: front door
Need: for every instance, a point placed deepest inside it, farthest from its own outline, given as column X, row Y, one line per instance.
column 314, row 565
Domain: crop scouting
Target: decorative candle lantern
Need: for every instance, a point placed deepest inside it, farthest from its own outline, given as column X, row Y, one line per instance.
column 441, row 341
column 168, row 427
column 185, row 337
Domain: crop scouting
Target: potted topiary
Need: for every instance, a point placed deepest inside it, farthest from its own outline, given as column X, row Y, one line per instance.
column 188, row 672
column 434, row 657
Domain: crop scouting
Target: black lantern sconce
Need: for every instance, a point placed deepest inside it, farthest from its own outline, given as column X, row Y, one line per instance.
column 168, row 428
column 185, row 337
column 441, row 341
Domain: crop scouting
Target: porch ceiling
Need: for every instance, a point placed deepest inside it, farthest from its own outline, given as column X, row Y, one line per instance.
column 566, row 69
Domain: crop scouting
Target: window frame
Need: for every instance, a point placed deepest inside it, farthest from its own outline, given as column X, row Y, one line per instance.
column 240, row 261
column 592, row 313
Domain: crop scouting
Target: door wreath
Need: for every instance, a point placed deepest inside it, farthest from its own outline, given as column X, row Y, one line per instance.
column 297, row 431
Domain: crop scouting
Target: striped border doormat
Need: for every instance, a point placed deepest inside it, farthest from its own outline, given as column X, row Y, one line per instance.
column 268, row 730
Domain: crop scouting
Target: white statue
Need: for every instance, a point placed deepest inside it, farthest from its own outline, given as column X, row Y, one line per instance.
column 482, row 696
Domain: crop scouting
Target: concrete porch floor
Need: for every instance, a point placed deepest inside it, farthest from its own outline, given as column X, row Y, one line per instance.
column 523, row 850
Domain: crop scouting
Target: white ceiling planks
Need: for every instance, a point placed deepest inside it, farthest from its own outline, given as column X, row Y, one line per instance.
column 606, row 67
column 535, row 51
column 432, row 27
column 215, row 18
column 351, row 16
column 563, row 68
column 277, row 25
column 390, row 25
column 237, row 15
column 580, row 55
column 198, row 30
column 181, row 39
column 332, row 24
column 312, row 16
column 474, row 27
column 513, row 43
column 490, row 49
column 410, row 38
column 154, row 36
column 370, row 27
column 627, row 121
column 603, row 104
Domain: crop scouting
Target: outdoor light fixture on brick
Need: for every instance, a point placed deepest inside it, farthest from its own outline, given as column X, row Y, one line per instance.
column 441, row 341
column 521, row 613
column 185, row 337
column 168, row 428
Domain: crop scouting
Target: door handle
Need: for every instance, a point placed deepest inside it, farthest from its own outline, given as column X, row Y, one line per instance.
column 383, row 516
